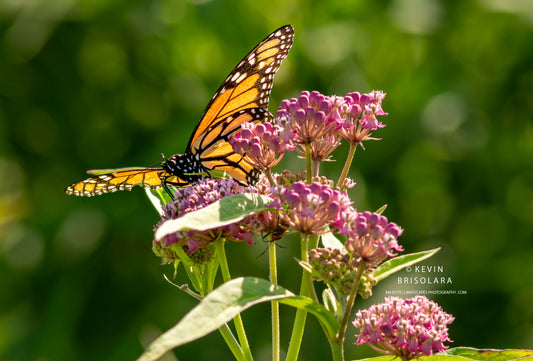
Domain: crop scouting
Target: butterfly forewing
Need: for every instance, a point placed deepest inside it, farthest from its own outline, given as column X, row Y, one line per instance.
column 220, row 155
column 248, row 85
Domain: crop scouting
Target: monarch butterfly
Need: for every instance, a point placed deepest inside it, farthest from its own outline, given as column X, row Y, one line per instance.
column 242, row 97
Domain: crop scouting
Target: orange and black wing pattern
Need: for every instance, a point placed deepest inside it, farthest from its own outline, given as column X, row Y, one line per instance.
column 219, row 155
column 247, row 86
column 243, row 97
column 120, row 180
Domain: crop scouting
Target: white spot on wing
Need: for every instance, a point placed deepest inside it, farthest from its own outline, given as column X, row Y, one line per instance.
column 241, row 78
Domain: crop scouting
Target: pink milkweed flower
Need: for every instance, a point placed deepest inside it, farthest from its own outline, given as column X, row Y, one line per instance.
column 314, row 120
column 408, row 328
column 359, row 114
column 263, row 144
column 309, row 208
column 322, row 121
column 371, row 238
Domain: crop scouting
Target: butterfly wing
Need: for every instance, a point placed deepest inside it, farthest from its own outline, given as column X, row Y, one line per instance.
column 243, row 97
column 247, row 86
column 218, row 154
column 122, row 180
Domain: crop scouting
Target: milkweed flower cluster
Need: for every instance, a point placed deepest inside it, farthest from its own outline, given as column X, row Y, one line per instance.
column 408, row 328
column 371, row 238
column 339, row 270
column 313, row 120
column 322, row 121
column 263, row 144
column 359, row 116
column 314, row 125
column 310, row 207
column 197, row 196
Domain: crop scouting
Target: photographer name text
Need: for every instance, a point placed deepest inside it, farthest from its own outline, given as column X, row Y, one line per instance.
column 425, row 278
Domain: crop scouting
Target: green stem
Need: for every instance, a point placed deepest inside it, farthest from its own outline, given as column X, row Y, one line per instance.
column 304, row 249
column 269, row 176
column 312, row 243
column 239, row 326
column 347, row 165
column 275, row 304
column 185, row 288
column 308, row 163
column 297, row 330
column 316, row 168
column 232, row 343
column 337, row 351
column 349, row 304
column 306, row 289
column 297, row 334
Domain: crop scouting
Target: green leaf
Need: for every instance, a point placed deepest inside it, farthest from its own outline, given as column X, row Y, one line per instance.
column 381, row 209
column 423, row 358
column 157, row 198
column 223, row 304
column 325, row 317
column 220, row 213
column 330, row 241
column 398, row 263
column 307, row 267
column 489, row 354
column 468, row 353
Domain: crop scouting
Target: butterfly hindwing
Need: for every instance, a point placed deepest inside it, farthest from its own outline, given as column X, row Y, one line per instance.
column 219, row 155
column 122, row 180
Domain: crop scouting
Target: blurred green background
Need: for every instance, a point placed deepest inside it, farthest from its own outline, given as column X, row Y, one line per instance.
column 88, row 84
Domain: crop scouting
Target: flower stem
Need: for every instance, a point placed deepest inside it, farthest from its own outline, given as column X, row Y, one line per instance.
column 316, row 168
column 312, row 243
column 350, row 303
column 239, row 326
column 269, row 176
column 308, row 163
column 337, row 351
column 297, row 334
column 347, row 165
column 306, row 276
column 232, row 343
column 274, row 304
column 306, row 289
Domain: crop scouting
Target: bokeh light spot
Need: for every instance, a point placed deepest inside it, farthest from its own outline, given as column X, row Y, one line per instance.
column 416, row 16
column 102, row 63
column 444, row 113
column 80, row 233
column 328, row 44
column 519, row 197
column 23, row 248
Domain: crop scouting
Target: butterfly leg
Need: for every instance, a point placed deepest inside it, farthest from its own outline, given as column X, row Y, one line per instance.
column 165, row 187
